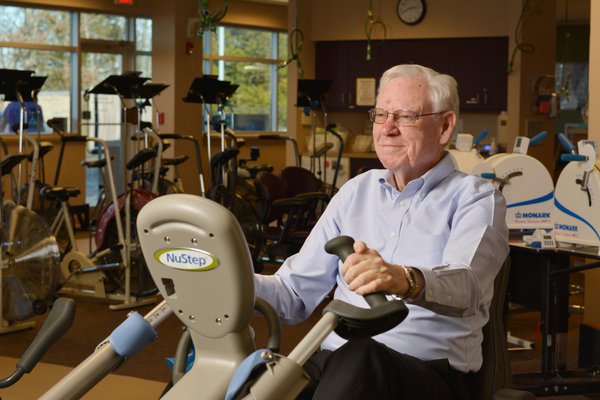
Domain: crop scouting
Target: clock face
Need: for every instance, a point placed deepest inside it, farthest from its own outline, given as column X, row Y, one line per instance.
column 411, row 11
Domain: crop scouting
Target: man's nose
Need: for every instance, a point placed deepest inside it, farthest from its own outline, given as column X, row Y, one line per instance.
column 389, row 127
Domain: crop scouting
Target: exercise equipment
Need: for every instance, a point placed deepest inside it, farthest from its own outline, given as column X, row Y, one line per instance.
column 209, row 90
column 29, row 255
column 195, row 247
column 177, row 184
column 29, row 259
column 465, row 154
column 576, row 216
column 311, row 93
column 22, row 86
column 87, row 273
column 319, row 163
column 128, row 87
column 525, row 183
column 285, row 138
column 57, row 323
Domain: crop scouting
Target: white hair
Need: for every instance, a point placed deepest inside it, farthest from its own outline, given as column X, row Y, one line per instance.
column 443, row 90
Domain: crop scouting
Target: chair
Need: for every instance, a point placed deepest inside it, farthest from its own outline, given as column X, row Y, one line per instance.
column 304, row 184
column 281, row 218
column 493, row 380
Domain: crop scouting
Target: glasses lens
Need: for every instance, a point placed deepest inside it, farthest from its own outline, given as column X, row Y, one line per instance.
column 378, row 115
column 405, row 118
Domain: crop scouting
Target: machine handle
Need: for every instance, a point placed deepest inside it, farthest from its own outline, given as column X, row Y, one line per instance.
column 488, row 175
column 56, row 325
column 573, row 157
column 272, row 137
column 566, row 143
column 342, row 246
column 480, row 136
column 538, row 138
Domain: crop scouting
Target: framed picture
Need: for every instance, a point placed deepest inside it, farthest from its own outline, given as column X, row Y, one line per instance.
column 365, row 91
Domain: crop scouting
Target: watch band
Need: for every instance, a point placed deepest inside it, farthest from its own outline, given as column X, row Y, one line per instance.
column 411, row 279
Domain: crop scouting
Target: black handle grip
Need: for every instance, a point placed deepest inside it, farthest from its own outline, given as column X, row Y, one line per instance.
column 57, row 323
column 342, row 246
column 275, row 137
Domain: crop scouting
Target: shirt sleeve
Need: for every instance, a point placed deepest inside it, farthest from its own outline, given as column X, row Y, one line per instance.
column 476, row 249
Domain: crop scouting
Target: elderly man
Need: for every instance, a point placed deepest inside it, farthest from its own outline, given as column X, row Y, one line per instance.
column 424, row 232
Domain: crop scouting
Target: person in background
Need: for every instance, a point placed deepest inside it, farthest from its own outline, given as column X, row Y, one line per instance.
column 424, row 232
column 34, row 117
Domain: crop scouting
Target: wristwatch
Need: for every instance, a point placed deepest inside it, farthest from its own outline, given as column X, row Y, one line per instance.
column 411, row 279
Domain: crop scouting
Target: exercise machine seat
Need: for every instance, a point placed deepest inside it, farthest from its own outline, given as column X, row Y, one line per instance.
column 282, row 218
column 302, row 183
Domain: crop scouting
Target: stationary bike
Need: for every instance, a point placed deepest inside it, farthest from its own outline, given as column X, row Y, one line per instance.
column 29, row 256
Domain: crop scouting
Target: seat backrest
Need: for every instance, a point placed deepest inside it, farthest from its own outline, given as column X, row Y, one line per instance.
column 270, row 188
column 299, row 180
column 495, row 373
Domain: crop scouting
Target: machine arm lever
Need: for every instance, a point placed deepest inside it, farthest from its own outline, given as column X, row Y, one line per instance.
column 566, row 143
column 56, row 325
column 480, row 136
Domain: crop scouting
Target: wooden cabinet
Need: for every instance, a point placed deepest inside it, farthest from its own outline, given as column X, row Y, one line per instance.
column 478, row 64
column 344, row 62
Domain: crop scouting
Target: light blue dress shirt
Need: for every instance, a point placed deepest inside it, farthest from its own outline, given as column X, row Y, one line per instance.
column 449, row 225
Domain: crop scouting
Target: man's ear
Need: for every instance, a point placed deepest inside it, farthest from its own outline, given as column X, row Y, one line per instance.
column 448, row 124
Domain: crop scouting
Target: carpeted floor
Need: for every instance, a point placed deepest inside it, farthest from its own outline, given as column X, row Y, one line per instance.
column 94, row 322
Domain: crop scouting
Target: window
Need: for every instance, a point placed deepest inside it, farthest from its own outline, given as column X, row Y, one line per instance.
column 37, row 40
column 58, row 43
column 250, row 58
column 103, row 26
column 572, row 85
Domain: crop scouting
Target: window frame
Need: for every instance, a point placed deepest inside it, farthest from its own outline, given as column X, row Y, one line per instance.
column 78, row 45
column 273, row 62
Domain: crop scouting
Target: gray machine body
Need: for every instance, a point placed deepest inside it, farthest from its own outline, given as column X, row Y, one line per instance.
column 199, row 259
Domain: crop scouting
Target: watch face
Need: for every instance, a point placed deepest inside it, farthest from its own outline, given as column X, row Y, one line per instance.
column 411, row 11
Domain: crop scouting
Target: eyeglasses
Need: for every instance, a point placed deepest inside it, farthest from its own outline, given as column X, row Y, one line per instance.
column 400, row 117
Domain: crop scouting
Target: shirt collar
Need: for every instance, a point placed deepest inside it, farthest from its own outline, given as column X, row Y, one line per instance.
column 424, row 183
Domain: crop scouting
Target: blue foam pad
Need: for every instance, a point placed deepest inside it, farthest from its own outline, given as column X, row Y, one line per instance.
column 133, row 334
column 245, row 369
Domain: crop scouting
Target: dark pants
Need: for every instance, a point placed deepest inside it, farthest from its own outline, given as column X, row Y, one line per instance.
column 367, row 369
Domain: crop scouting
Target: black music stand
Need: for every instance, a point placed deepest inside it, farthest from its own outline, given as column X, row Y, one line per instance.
column 8, row 82
column 311, row 92
column 208, row 90
column 28, row 91
column 310, row 96
column 21, row 86
column 126, row 85
column 149, row 90
column 145, row 93
column 29, row 88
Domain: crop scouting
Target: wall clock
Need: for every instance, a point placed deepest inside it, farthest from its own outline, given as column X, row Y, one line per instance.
column 411, row 12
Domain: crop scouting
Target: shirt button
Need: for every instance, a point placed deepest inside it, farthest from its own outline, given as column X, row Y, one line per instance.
column 393, row 234
column 402, row 203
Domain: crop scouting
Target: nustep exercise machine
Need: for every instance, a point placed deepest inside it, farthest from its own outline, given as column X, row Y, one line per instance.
column 199, row 259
